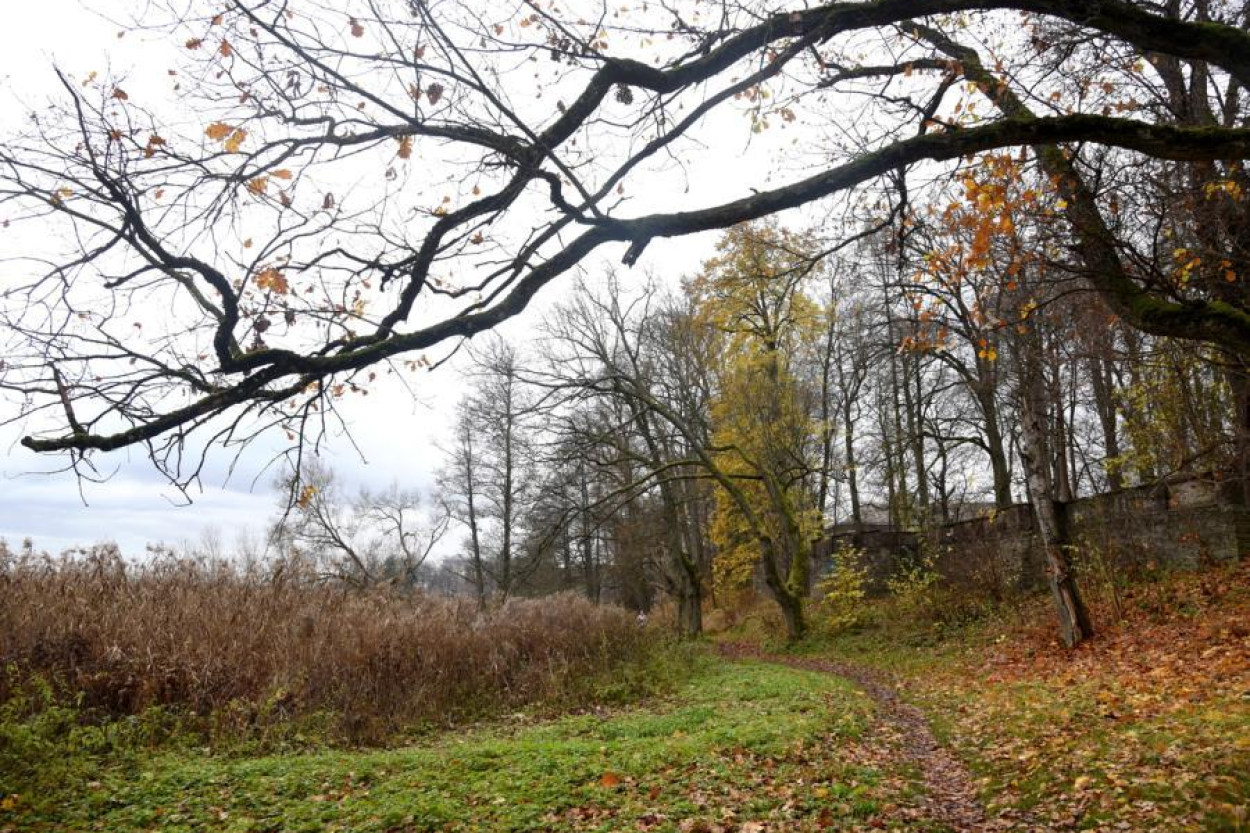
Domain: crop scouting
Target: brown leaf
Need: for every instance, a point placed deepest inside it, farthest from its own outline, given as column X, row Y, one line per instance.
column 305, row 497
column 272, row 280
column 218, row 131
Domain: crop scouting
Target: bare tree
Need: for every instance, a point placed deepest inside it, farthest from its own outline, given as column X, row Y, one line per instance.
column 226, row 276
column 371, row 538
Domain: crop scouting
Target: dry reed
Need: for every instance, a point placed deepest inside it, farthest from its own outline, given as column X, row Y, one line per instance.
column 212, row 639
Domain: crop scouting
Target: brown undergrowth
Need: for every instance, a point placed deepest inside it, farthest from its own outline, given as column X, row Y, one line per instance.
column 1144, row 727
column 244, row 647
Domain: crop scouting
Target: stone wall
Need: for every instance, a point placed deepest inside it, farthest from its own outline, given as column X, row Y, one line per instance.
column 1182, row 523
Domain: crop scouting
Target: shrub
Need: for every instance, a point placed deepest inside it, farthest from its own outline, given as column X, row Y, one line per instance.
column 913, row 589
column 842, row 590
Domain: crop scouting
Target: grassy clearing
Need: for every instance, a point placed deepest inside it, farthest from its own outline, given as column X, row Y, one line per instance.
column 1145, row 728
column 741, row 747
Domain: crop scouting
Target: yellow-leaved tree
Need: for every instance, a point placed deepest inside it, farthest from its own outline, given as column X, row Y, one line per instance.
column 765, row 516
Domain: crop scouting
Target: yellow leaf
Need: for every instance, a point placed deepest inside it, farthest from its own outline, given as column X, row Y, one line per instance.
column 1061, row 204
column 236, row 140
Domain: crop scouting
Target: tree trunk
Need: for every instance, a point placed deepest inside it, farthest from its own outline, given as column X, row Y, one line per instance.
column 690, row 609
column 792, row 614
column 912, row 402
column 852, row 477
column 1074, row 622
column 997, row 453
column 1104, row 402
column 1059, row 439
column 1239, row 384
column 790, row 603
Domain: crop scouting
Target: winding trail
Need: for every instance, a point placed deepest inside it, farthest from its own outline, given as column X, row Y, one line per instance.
column 950, row 798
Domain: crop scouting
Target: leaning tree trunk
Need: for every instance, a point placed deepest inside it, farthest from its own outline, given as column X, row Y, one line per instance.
column 1074, row 622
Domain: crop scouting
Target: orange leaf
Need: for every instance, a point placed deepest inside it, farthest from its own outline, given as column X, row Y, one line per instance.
column 218, row 131
column 273, row 280
column 306, row 495
column 610, row 780
column 405, row 147
column 283, row 173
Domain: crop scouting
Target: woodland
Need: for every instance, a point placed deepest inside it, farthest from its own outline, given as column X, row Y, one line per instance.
column 949, row 258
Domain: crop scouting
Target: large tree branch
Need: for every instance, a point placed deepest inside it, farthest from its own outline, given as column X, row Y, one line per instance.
column 1210, row 320
column 1163, row 141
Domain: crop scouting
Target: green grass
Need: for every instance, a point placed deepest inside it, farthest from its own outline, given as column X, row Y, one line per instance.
column 737, row 742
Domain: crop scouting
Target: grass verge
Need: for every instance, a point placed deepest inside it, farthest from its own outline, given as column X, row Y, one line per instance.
column 742, row 747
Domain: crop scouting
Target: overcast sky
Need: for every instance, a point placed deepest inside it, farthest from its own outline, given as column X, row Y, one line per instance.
column 395, row 436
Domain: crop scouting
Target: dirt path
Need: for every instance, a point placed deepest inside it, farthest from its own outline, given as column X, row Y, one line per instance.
column 950, row 799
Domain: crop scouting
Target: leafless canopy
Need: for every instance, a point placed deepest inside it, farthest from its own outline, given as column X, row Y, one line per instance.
column 344, row 185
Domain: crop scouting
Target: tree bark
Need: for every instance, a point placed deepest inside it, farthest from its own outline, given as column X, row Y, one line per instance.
column 1074, row 622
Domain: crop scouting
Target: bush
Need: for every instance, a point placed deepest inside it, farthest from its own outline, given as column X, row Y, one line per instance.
column 245, row 650
column 842, row 591
column 914, row 590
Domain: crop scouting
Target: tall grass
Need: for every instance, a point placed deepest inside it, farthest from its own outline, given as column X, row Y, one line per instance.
column 256, row 644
